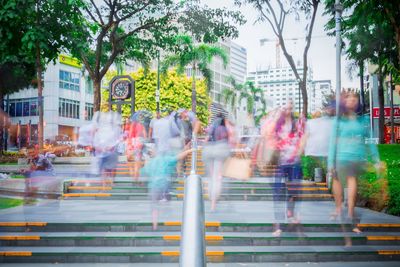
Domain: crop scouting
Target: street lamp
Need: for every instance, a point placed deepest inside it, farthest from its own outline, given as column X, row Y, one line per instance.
column 158, row 83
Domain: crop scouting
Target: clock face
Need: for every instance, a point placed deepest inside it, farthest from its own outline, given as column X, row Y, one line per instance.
column 121, row 90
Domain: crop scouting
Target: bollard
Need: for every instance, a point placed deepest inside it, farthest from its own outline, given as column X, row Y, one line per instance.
column 192, row 246
column 318, row 175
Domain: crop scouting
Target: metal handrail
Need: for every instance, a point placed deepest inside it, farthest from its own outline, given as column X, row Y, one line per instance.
column 192, row 247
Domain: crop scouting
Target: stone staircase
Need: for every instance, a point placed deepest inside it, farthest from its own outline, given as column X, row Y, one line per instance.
column 42, row 242
column 228, row 241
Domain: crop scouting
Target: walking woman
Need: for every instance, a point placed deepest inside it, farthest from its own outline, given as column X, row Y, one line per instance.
column 349, row 155
column 215, row 152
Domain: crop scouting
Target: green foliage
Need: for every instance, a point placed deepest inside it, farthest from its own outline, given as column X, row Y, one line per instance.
column 137, row 30
column 390, row 154
column 376, row 192
column 207, row 25
column 175, row 93
column 248, row 92
column 196, row 56
column 15, row 76
column 308, row 165
column 367, row 30
column 10, row 157
column 6, row 203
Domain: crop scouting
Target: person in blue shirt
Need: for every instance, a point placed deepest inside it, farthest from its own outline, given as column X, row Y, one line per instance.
column 349, row 154
column 159, row 170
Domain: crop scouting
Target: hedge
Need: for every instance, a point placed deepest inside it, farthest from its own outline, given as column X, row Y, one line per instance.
column 377, row 193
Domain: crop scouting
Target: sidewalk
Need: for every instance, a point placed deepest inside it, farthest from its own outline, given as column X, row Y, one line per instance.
column 66, row 211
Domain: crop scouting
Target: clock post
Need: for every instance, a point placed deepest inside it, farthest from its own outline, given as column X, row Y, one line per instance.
column 121, row 88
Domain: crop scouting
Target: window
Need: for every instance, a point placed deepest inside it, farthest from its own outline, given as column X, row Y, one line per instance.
column 88, row 111
column 89, row 86
column 68, row 108
column 23, row 107
column 69, row 80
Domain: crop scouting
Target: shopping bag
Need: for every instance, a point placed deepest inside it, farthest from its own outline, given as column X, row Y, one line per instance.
column 237, row 168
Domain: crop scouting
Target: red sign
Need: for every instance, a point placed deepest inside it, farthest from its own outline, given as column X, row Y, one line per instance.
column 396, row 112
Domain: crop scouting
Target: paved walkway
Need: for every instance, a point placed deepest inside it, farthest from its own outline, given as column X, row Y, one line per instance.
column 139, row 211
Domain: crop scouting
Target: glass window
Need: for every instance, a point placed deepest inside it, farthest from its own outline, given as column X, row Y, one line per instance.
column 25, row 108
column 68, row 108
column 12, row 109
column 89, row 111
column 18, row 112
column 69, row 80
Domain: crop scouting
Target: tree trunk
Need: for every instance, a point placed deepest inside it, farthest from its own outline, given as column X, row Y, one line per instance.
column 362, row 93
column 381, row 102
column 303, row 89
column 40, row 96
column 96, row 94
column 194, row 88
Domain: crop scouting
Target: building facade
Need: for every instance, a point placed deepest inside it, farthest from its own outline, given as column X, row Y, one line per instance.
column 67, row 103
column 280, row 86
column 236, row 68
column 319, row 91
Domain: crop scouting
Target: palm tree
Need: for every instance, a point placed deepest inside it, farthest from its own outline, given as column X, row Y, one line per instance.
column 196, row 56
column 231, row 95
column 250, row 93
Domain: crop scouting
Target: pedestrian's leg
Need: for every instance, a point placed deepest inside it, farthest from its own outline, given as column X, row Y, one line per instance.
column 154, row 214
column 352, row 195
column 338, row 196
column 217, row 186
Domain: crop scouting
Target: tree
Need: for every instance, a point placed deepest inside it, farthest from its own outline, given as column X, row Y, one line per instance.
column 274, row 13
column 138, row 29
column 45, row 35
column 251, row 94
column 368, row 35
column 120, row 30
column 206, row 25
column 175, row 92
column 17, row 70
column 231, row 95
column 198, row 57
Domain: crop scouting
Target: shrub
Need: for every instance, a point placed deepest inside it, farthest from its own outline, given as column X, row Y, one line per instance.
column 390, row 154
column 308, row 165
column 380, row 193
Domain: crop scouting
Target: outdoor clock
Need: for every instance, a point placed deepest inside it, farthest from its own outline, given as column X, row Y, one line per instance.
column 121, row 90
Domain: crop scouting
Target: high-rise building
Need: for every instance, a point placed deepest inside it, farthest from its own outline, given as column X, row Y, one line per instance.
column 280, row 86
column 67, row 99
column 319, row 91
column 236, row 67
column 238, row 56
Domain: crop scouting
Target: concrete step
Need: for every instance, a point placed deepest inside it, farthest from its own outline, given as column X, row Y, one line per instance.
column 214, row 254
column 53, row 239
column 256, row 182
column 180, row 189
column 175, row 226
column 223, row 197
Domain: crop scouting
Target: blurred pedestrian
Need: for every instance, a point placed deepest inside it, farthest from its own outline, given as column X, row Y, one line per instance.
column 215, row 152
column 105, row 142
column 349, row 154
column 136, row 136
column 160, row 170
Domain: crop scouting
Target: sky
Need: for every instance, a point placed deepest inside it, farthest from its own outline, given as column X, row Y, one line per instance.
column 322, row 52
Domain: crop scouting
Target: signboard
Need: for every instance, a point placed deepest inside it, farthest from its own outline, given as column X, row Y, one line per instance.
column 71, row 61
column 396, row 112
